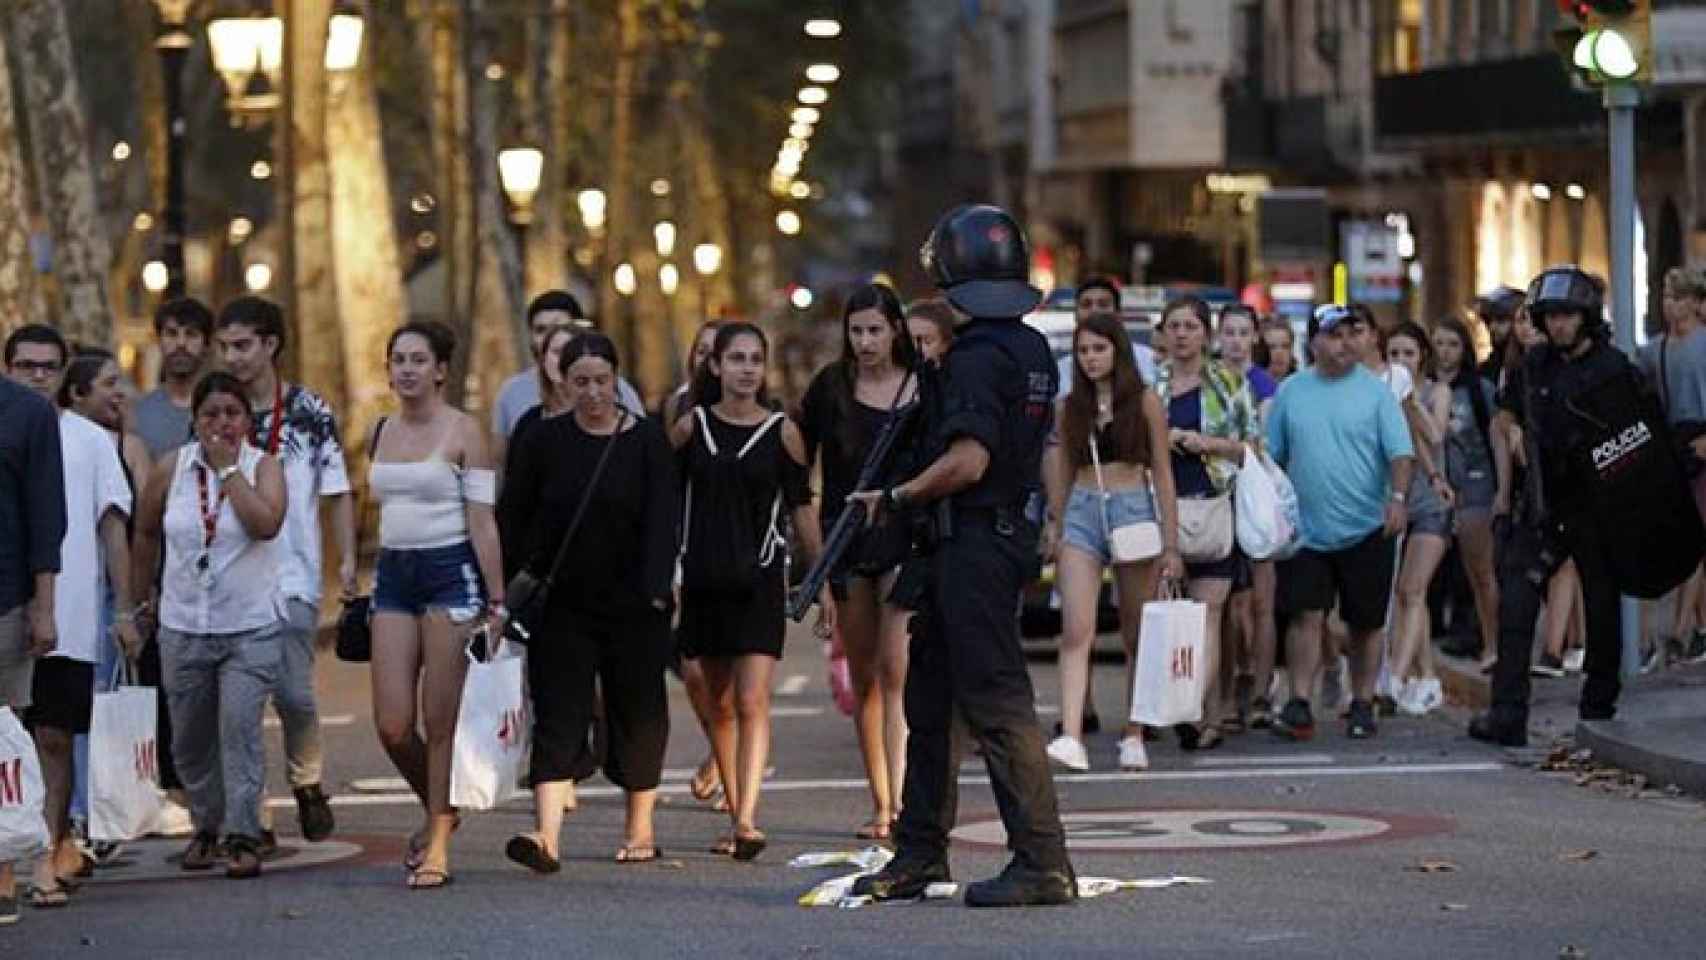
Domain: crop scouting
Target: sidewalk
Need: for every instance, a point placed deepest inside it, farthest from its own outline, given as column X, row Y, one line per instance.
column 1660, row 730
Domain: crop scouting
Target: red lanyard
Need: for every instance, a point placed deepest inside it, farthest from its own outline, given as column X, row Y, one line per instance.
column 277, row 416
column 209, row 517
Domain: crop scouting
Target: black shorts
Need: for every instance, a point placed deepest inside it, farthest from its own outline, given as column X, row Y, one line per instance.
column 62, row 695
column 1359, row 577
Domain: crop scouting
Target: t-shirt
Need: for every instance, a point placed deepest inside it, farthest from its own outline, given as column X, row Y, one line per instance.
column 163, row 425
column 1683, row 387
column 520, row 394
column 1336, row 439
column 1262, row 385
column 32, row 492
column 94, row 484
column 313, row 462
column 1142, row 355
column 1468, row 450
column 1190, row 473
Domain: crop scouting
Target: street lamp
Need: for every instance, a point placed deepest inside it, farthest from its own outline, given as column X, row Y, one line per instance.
column 248, row 52
column 520, row 170
column 155, row 276
column 707, row 260
column 823, row 73
column 823, row 28
column 813, row 96
column 669, row 279
column 788, row 222
column 173, row 44
column 343, row 38
column 257, row 276
column 664, row 233
column 625, row 280
column 592, row 203
column 805, row 115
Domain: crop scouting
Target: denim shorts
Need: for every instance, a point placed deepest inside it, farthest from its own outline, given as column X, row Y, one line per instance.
column 1082, row 526
column 415, row 582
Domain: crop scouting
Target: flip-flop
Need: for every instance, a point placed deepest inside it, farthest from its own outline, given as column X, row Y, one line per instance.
column 874, row 830
column 723, row 847
column 748, row 848
column 54, row 899
column 531, row 854
column 705, row 790
column 638, row 853
column 418, row 844
column 438, row 878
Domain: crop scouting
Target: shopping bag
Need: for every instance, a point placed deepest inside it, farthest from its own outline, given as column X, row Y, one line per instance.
column 124, row 776
column 491, row 730
column 1170, row 648
column 23, row 832
column 1262, row 525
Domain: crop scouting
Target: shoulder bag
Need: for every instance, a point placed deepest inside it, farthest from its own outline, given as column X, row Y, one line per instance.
column 355, row 620
column 1131, row 542
column 527, row 593
column 1206, row 523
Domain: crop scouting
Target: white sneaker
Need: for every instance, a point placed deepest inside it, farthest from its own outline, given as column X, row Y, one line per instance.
column 173, row 820
column 1067, row 751
column 1430, row 695
column 1408, row 699
column 1573, row 660
column 1133, row 755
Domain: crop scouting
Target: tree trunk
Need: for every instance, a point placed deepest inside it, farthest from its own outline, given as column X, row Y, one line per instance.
column 442, row 40
column 501, row 335
column 20, row 297
column 615, row 315
column 65, row 177
column 714, row 211
column 367, row 266
column 315, row 300
column 549, row 128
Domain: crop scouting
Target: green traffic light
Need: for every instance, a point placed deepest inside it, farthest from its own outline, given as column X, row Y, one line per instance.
column 1608, row 53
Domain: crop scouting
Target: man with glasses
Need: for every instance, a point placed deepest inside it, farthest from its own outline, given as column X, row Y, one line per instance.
column 1341, row 437
column 32, row 525
column 97, row 503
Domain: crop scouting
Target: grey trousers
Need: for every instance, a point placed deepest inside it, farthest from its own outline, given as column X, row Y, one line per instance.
column 293, row 695
column 217, row 686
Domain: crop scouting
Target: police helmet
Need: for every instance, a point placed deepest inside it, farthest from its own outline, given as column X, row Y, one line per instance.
column 1567, row 289
column 1501, row 303
column 978, row 258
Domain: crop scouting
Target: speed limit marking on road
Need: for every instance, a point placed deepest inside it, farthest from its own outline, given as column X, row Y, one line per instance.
column 1208, row 829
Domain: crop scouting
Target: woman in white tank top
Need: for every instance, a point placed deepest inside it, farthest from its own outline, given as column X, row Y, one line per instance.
column 439, row 577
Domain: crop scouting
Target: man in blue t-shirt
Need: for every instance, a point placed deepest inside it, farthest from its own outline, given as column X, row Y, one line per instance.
column 1339, row 434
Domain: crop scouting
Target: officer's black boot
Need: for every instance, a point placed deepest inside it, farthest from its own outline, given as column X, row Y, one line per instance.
column 1020, row 885
column 904, row 878
column 1487, row 728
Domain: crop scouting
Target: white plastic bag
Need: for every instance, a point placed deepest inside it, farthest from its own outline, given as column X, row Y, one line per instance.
column 1288, row 515
column 1262, row 526
column 23, row 832
column 124, row 775
column 1170, row 649
column 491, row 731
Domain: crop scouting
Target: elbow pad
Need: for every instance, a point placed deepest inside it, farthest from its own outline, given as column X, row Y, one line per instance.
column 480, row 486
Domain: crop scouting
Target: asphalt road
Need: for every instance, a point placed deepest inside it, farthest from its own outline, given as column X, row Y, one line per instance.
column 1419, row 843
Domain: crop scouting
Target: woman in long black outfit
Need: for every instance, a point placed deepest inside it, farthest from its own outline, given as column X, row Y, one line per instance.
column 608, row 610
column 745, row 467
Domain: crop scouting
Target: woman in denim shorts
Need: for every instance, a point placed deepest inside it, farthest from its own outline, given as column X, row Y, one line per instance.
column 1109, row 415
column 438, row 563
column 1470, row 458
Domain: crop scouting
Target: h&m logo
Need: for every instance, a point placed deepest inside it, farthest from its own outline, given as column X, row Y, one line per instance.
column 12, row 782
column 510, row 731
column 146, row 761
column 1184, row 663
column 1632, row 438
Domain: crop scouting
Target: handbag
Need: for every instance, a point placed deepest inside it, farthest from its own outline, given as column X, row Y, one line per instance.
column 1265, row 525
column 355, row 620
column 124, row 789
column 1171, row 674
column 1131, row 542
column 490, row 746
column 526, row 594
column 1205, row 528
column 23, row 832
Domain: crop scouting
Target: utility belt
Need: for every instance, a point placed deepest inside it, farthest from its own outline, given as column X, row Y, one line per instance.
column 942, row 521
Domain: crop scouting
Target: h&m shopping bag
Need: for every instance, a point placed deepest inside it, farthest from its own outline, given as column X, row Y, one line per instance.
column 491, row 730
column 124, row 775
column 1170, row 676
column 23, row 832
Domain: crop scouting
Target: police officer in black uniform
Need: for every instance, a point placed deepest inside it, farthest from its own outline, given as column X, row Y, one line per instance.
column 990, row 418
column 1571, row 394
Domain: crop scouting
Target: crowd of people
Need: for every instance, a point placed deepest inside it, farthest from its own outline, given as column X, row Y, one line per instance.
column 179, row 533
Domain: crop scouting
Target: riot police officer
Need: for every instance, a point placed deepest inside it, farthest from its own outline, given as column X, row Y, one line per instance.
column 990, row 418
column 1603, row 488
column 1498, row 309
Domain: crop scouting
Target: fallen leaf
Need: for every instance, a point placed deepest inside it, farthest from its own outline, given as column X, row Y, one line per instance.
column 1435, row 866
column 1578, row 856
column 671, row 865
column 1572, row 952
column 1454, row 907
column 294, row 914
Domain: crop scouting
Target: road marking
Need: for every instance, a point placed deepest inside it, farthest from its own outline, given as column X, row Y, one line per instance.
column 1201, row 829
column 776, row 712
column 379, row 785
column 1294, row 758
column 155, row 859
column 1047, row 710
column 980, row 780
column 794, row 685
column 335, row 720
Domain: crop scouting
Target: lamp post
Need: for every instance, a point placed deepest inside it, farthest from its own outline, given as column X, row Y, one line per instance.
column 173, row 45
column 707, row 260
column 519, row 171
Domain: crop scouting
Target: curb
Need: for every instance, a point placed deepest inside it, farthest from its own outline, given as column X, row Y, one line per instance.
column 1667, row 752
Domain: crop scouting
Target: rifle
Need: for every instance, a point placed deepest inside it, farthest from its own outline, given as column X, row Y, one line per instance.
column 852, row 514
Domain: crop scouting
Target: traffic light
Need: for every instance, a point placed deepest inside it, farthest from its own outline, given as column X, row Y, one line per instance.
column 1609, row 41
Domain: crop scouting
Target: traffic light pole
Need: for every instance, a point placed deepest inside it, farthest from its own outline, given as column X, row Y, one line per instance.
column 1621, row 99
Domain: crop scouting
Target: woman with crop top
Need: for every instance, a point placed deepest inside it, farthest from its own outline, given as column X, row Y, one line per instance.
column 1109, row 416
column 214, row 507
column 438, row 565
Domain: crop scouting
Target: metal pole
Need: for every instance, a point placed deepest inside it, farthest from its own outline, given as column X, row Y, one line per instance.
column 173, row 45
column 1620, row 103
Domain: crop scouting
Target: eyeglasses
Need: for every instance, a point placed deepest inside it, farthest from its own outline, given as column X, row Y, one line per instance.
column 37, row 368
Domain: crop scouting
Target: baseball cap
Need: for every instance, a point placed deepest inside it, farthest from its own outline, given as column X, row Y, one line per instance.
column 1328, row 316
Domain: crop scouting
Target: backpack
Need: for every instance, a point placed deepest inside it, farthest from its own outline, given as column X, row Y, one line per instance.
column 730, row 554
column 1643, row 511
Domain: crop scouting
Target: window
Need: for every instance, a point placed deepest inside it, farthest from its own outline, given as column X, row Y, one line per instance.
column 1399, row 26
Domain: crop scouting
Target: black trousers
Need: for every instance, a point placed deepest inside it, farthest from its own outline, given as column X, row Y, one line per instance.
column 572, row 661
column 966, row 657
column 1520, row 599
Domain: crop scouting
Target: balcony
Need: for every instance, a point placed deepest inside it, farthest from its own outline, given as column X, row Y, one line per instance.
column 1521, row 101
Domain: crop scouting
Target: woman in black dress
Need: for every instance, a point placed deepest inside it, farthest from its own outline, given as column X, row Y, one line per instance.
column 607, row 614
column 744, row 466
column 845, row 408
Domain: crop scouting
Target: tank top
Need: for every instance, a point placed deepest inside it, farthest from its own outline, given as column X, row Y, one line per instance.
column 421, row 504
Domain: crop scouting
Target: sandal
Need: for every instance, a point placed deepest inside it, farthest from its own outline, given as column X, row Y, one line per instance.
column 875, row 830
column 723, row 847
column 705, row 789
column 749, row 846
column 638, row 853
column 429, row 878
column 530, row 853
column 418, row 843
column 49, row 899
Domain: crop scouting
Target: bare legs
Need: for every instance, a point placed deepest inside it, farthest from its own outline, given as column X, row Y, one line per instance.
column 705, row 779
column 1078, row 576
column 1136, row 583
column 1303, row 647
column 1475, row 545
column 62, row 859
column 427, row 652
column 875, row 637
column 740, row 730
column 1212, row 593
column 1422, row 555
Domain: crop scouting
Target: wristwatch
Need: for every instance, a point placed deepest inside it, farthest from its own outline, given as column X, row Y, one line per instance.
column 893, row 499
column 1399, row 496
column 226, row 473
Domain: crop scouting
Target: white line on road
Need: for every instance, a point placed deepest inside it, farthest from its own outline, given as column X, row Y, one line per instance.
column 1293, row 758
column 794, row 685
column 335, row 720
column 776, row 712
column 1154, row 776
